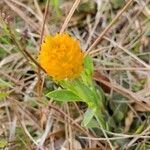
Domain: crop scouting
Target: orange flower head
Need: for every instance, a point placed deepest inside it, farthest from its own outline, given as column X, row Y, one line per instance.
column 61, row 57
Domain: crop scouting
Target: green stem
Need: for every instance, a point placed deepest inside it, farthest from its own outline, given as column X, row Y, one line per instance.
column 100, row 119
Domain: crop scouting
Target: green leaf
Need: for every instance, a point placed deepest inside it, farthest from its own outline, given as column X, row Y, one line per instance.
column 88, row 116
column 92, row 124
column 67, row 84
column 85, row 93
column 88, row 64
column 100, row 119
column 55, row 3
column 88, row 70
column 3, row 95
column 5, row 84
column 3, row 143
column 118, row 3
column 63, row 95
column 87, row 6
column 100, row 94
column 140, row 128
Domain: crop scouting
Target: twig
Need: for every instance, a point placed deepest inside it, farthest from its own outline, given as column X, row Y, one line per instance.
column 39, row 84
column 33, row 60
column 44, row 21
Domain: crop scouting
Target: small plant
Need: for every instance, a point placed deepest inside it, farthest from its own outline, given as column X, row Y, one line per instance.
column 63, row 60
column 96, row 98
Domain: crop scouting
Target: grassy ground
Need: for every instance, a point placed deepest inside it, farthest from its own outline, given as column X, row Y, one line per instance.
column 121, row 54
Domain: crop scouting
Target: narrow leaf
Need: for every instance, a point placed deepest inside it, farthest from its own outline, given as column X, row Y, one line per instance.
column 88, row 64
column 88, row 70
column 3, row 143
column 63, row 95
column 89, row 114
column 85, row 93
column 5, row 84
column 3, row 95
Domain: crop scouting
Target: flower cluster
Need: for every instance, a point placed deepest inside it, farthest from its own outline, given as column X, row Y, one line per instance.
column 61, row 56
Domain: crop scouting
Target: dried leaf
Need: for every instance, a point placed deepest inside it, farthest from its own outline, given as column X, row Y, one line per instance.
column 128, row 121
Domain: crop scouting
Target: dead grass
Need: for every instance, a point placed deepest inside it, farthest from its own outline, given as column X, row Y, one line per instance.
column 117, row 35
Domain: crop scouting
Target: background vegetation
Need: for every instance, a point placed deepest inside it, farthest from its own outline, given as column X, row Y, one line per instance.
column 28, row 120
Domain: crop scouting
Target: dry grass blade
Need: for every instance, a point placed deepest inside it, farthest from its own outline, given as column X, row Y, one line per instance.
column 125, row 92
column 147, row 130
column 42, row 140
column 64, row 26
column 23, row 50
column 129, row 53
column 27, row 8
column 44, row 21
column 109, row 26
column 29, row 21
column 124, row 68
column 32, row 120
column 68, row 117
column 40, row 85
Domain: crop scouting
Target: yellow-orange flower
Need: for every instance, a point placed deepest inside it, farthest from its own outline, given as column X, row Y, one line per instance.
column 61, row 56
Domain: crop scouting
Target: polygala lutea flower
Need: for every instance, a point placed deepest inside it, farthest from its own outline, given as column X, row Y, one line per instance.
column 61, row 56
